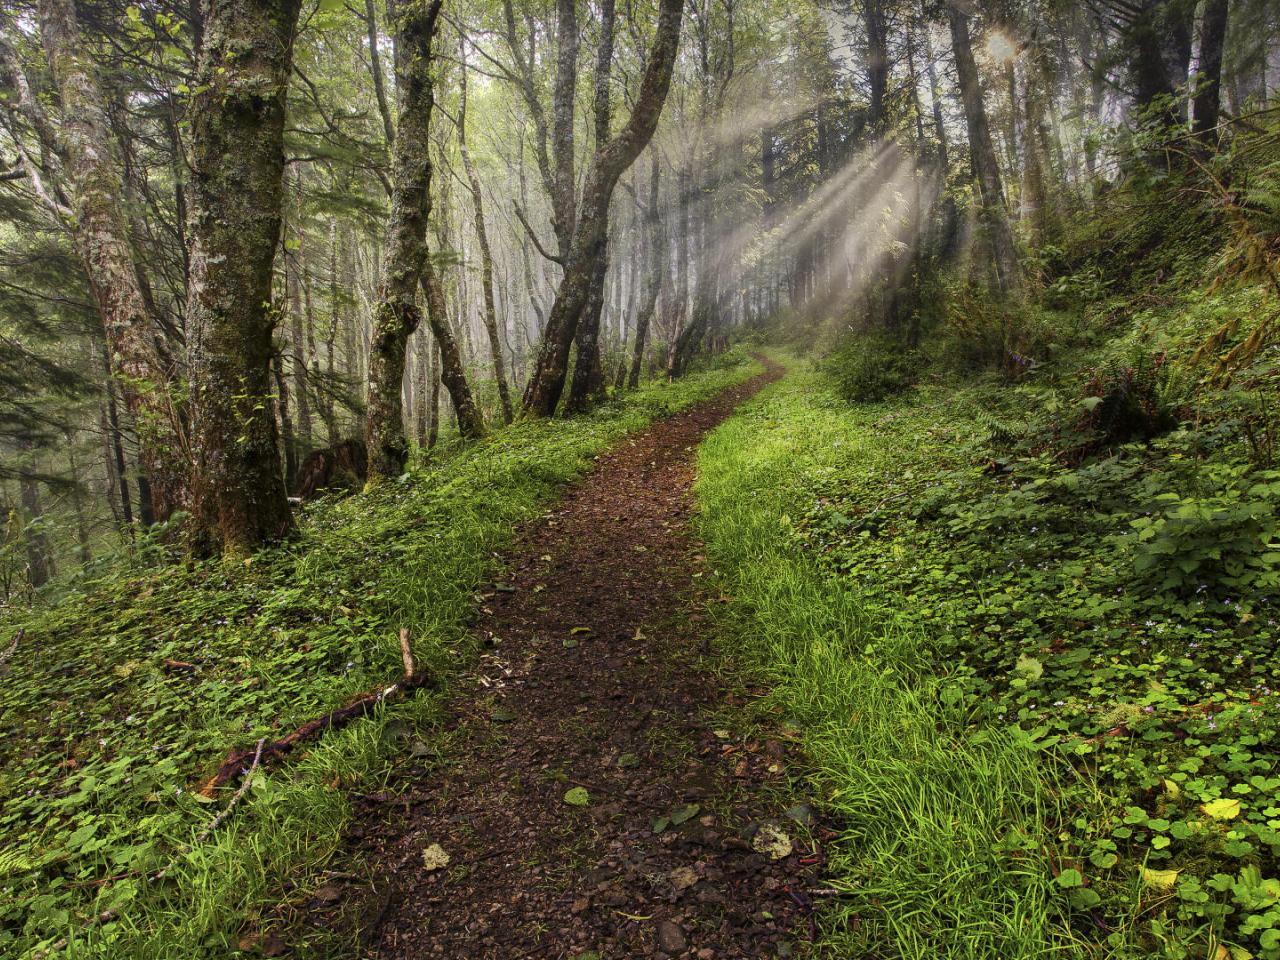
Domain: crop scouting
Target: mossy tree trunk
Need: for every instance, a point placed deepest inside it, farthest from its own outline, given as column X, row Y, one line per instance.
column 588, row 378
column 139, row 359
column 396, row 315
column 1207, row 106
column 406, row 266
column 237, row 189
column 588, row 241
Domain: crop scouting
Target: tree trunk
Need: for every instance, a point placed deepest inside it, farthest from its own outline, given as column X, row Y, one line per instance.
column 433, row 410
column 563, row 196
column 375, row 71
column 1207, row 105
column 117, row 468
column 287, row 438
column 237, row 166
column 300, row 317
column 84, row 549
column 983, row 157
column 139, row 361
column 396, row 315
column 653, row 284
column 877, row 63
column 40, row 566
column 450, row 367
column 482, row 235
column 1159, row 40
column 935, row 98
column 588, row 378
column 588, row 243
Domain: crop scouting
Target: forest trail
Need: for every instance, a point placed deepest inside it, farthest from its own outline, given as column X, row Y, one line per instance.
column 592, row 678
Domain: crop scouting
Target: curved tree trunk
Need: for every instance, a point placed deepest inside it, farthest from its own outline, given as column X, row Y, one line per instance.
column 588, row 242
column 452, row 371
column 237, row 189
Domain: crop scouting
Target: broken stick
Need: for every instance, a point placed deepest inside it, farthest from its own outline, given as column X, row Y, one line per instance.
column 360, row 707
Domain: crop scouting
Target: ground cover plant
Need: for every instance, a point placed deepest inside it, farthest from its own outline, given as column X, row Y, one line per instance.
column 147, row 678
column 996, row 564
column 1068, row 554
column 1074, row 664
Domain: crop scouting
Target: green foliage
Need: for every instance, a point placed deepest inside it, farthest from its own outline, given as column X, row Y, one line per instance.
column 942, row 830
column 124, row 697
column 1114, row 619
column 1130, row 401
column 979, row 333
column 1225, row 537
column 868, row 369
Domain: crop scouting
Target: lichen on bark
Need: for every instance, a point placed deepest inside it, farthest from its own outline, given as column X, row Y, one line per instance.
column 237, row 191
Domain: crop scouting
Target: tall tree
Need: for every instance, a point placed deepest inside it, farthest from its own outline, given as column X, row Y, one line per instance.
column 84, row 150
column 588, row 239
column 482, row 238
column 1213, row 34
column 587, row 375
column 397, row 315
column 656, row 255
column 237, row 191
column 982, row 154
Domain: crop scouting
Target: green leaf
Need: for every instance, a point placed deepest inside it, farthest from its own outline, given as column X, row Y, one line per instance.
column 1028, row 668
column 577, row 797
column 1082, row 898
column 682, row 814
column 1071, row 877
column 1223, row 808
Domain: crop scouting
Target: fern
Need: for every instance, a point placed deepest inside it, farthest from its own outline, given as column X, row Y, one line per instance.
column 13, row 862
column 998, row 432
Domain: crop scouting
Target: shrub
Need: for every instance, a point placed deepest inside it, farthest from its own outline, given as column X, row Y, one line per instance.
column 1129, row 402
column 868, row 369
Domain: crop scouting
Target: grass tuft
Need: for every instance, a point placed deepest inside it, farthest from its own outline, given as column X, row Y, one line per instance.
column 943, row 833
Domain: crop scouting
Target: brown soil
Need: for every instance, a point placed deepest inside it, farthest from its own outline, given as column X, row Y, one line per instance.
column 597, row 675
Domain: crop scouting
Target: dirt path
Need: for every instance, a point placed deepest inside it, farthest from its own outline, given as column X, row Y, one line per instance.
column 595, row 679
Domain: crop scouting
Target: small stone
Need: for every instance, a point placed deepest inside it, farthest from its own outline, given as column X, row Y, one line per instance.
column 801, row 813
column 706, row 953
column 670, row 938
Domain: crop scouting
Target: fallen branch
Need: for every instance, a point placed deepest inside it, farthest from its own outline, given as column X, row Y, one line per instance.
column 405, row 653
column 358, row 708
column 10, row 650
column 221, row 818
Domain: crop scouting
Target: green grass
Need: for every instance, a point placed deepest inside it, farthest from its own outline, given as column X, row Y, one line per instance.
column 101, row 743
column 1040, row 693
column 943, row 833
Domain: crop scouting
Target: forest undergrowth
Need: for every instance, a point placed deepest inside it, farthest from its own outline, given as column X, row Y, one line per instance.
column 148, row 677
column 1022, row 599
